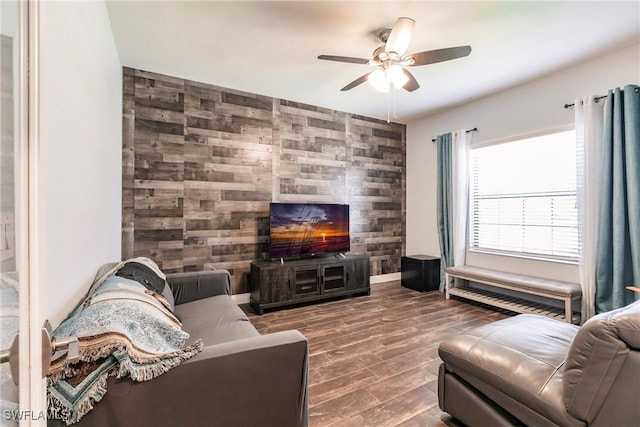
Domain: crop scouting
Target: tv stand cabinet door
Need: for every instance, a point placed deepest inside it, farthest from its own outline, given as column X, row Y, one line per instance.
column 306, row 281
column 333, row 278
column 271, row 285
column 358, row 273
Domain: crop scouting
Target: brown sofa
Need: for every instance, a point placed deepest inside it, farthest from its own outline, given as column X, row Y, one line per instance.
column 536, row 371
column 241, row 378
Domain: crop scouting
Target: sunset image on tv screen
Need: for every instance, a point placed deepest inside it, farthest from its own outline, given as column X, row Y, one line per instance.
column 306, row 229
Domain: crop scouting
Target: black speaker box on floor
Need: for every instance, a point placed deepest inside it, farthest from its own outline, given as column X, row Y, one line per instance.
column 420, row 272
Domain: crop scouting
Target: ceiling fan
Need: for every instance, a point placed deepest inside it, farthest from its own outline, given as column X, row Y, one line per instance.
column 390, row 59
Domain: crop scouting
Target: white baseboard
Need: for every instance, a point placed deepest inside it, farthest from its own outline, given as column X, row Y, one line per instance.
column 241, row 298
column 381, row 278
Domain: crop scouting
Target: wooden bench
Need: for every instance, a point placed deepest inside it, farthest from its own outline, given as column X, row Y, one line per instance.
column 569, row 293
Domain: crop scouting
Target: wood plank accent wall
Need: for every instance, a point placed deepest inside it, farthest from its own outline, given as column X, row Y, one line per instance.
column 201, row 164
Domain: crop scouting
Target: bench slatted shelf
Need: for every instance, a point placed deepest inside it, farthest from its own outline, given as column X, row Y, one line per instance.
column 567, row 292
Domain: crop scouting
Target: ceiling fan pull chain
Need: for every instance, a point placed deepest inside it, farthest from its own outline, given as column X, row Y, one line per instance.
column 388, row 106
column 395, row 94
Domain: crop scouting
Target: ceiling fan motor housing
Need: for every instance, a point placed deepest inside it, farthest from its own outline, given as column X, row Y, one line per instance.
column 384, row 35
column 384, row 58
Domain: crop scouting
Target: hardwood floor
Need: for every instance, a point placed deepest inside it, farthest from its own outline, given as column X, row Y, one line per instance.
column 374, row 359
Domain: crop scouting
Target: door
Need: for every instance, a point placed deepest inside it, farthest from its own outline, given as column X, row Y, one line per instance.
column 334, row 278
column 306, row 281
column 24, row 404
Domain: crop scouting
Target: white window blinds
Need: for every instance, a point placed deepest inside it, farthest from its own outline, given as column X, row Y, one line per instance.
column 523, row 197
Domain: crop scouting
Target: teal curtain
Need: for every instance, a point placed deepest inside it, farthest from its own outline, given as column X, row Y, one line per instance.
column 618, row 238
column 445, row 203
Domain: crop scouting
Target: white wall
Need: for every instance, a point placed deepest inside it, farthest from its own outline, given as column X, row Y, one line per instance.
column 80, row 156
column 527, row 108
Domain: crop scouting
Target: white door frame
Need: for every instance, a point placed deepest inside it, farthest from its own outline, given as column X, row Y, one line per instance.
column 32, row 391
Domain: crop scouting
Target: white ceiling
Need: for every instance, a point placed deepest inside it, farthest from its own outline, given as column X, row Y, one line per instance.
column 271, row 48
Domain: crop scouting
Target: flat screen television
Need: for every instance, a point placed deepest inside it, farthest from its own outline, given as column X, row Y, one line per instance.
column 305, row 229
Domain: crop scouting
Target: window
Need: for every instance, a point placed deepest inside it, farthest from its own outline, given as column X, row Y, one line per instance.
column 523, row 197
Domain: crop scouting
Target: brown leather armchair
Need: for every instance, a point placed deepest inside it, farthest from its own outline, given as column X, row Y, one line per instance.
column 536, row 371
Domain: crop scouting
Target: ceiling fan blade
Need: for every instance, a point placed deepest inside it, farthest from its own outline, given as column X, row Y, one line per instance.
column 344, row 59
column 439, row 55
column 356, row 82
column 412, row 83
column 400, row 36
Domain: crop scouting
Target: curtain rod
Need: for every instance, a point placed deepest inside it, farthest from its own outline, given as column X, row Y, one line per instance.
column 467, row 131
column 598, row 98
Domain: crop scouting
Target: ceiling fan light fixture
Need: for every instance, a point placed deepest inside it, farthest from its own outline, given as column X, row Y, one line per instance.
column 382, row 78
column 396, row 75
column 378, row 79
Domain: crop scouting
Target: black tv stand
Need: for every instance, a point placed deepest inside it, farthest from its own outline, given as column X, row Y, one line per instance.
column 277, row 284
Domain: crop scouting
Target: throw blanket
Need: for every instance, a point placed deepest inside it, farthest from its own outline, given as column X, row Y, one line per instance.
column 124, row 329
